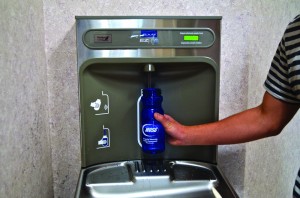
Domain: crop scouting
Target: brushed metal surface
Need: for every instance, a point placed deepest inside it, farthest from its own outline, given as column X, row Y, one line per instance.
column 152, row 178
column 85, row 24
column 147, row 179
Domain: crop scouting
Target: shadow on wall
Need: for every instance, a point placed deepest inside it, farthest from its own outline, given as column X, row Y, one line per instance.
column 64, row 115
column 231, row 160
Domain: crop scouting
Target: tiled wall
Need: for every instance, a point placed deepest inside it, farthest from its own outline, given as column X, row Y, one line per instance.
column 25, row 149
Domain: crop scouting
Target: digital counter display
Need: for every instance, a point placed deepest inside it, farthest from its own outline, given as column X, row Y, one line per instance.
column 191, row 38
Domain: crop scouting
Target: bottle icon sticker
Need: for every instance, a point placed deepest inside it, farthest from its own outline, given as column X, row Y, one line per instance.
column 101, row 105
column 105, row 140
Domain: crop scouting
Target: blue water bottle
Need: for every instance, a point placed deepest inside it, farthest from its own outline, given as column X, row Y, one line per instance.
column 153, row 133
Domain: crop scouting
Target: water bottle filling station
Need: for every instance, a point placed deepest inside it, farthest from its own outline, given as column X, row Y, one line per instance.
column 129, row 68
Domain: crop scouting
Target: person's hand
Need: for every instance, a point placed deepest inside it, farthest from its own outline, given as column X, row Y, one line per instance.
column 174, row 129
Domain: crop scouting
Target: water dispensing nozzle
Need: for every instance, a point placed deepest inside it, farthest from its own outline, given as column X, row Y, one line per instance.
column 149, row 68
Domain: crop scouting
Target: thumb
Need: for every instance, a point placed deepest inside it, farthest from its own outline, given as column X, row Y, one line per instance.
column 165, row 120
column 159, row 117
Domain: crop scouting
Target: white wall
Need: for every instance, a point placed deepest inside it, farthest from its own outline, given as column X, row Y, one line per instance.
column 250, row 33
column 25, row 150
column 272, row 163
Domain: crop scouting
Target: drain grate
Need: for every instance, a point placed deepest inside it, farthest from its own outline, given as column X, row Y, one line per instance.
column 150, row 167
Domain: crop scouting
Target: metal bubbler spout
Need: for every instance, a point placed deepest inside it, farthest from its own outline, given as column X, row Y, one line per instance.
column 149, row 68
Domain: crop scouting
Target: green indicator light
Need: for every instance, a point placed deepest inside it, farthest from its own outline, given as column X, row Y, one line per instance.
column 191, row 38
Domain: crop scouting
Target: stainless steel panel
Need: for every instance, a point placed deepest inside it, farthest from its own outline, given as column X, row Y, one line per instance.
column 85, row 24
column 152, row 178
column 146, row 179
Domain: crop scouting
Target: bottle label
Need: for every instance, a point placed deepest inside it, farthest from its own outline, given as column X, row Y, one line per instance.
column 150, row 130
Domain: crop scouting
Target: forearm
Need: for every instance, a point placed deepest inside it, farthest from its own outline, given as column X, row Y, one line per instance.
column 265, row 120
column 243, row 127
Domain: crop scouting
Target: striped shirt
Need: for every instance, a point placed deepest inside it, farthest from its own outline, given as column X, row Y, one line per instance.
column 283, row 80
column 297, row 186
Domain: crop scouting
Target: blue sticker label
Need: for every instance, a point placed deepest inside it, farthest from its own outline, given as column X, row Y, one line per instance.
column 148, row 33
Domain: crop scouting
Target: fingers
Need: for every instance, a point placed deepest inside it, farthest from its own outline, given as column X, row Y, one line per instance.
column 170, row 125
column 165, row 120
column 159, row 117
column 172, row 128
column 169, row 118
column 173, row 141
